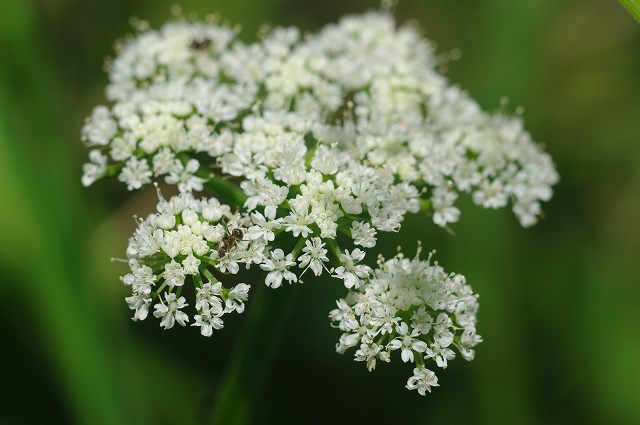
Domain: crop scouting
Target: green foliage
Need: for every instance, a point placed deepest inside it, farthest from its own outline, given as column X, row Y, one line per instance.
column 633, row 6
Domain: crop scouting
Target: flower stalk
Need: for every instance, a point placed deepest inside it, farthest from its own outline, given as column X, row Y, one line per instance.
column 252, row 357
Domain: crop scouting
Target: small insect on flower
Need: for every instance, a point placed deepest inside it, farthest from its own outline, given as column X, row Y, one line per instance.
column 230, row 241
column 201, row 44
column 237, row 233
column 222, row 251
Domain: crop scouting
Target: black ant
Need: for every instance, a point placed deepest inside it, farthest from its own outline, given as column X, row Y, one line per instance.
column 200, row 44
column 230, row 241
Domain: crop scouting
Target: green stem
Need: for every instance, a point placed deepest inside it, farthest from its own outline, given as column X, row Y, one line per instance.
column 425, row 205
column 226, row 190
column 334, row 249
column 298, row 248
column 252, row 356
column 633, row 7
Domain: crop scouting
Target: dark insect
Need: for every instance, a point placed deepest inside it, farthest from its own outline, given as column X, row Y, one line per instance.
column 200, row 44
column 229, row 241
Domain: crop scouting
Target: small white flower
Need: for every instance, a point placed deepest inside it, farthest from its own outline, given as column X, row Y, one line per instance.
column 408, row 342
column 344, row 316
column 208, row 297
column 347, row 341
column 278, row 267
column 169, row 311
column 100, row 128
column 326, row 160
column 208, row 320
column 351, row 272
column 183, row 176
column 95, row 169
column 165, row 162
column 441, row 355
column 141, row 278
column 122, row 148
column 199, row 246
column 166, row 221
column 443, row 210
column 422, row 380
column 135, row 174
column 236, row 298
column 369, row 353
column 190, row 264
column 229, row 263
column 314, row 254
column 363, row 234
column 212, row 210
column 421, row 320
column 140, row 304
column 491, row 195
column 298, row 220
column 174, row 274
column 189, row 217
column 263, row 227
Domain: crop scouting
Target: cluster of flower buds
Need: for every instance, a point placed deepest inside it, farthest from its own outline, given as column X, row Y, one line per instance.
column 316, row 144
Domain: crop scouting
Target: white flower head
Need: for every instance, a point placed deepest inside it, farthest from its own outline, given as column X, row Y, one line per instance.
column 376, row 315
column 314, row 143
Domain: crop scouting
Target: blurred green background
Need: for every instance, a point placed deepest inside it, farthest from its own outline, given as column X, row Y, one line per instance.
column 560, row 303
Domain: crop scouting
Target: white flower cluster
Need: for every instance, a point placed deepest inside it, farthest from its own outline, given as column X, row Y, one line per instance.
column 318, row 143
column 359, row 92
column 188, row 240
column 193, row 240
column 412, row 306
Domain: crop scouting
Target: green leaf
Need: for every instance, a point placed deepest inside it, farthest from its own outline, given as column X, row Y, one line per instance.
column 633, row 7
